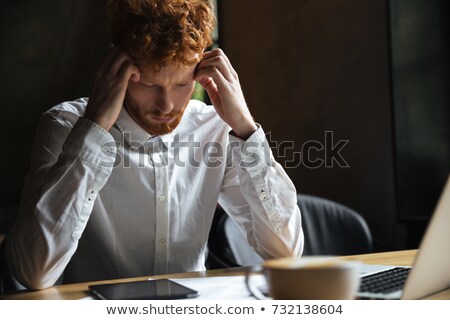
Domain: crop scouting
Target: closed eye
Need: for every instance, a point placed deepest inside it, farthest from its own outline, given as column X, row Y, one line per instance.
column 147, row 85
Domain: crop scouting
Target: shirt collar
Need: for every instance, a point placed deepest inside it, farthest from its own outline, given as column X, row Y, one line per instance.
column 133, row 132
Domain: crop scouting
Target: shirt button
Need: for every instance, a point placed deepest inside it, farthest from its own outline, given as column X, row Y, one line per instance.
column 91, row 196
column 162, row 198
column 263, row 194
column 278, row 229
column 162, row 240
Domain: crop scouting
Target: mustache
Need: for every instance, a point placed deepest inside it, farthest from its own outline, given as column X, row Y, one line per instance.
column 160, row 114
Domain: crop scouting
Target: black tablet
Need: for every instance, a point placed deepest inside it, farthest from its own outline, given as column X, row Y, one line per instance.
column 162, row 289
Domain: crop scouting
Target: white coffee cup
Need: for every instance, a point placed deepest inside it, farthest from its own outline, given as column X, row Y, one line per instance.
column 308, row 279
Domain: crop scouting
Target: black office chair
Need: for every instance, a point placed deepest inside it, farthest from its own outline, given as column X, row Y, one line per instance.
column 5, row 223
column 7, row 281
column 332, row 229
column 329, row 227
column 227, row 246
column 2, row 286
column 5, row 284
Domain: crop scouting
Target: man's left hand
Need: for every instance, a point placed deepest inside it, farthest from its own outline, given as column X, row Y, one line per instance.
column 216, row 74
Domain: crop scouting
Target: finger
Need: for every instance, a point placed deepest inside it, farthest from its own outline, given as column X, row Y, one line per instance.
column 117, row 64
column 128, row 71
column 211, row 89
column 219, row 52
column 219, row 63
column 135, row 77
column 209, row 85
column 215, row 74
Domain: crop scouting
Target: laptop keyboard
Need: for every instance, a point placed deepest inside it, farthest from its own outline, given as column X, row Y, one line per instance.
column 385, row 281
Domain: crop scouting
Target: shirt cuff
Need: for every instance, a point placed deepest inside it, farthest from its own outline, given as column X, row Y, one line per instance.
column 90, row 142
column 253, row 153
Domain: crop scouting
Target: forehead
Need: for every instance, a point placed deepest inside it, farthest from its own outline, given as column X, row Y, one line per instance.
column 168, row 74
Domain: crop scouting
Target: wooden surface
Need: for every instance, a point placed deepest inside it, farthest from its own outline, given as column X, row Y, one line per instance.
column 80, row 290
column 393, row 258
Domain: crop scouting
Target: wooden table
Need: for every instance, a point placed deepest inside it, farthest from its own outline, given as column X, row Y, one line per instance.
column 80, row 290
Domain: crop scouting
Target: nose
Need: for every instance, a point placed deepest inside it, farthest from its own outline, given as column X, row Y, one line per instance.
column 164, row 102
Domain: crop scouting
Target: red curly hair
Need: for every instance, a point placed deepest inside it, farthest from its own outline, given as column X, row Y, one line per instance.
column 162, row 32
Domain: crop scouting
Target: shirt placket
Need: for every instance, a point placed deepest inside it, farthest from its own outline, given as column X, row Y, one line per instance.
column 162, row 211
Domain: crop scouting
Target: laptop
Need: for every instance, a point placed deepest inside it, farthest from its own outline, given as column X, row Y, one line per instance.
column 431, row 270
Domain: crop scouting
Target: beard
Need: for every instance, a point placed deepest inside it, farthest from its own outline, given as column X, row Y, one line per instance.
column 153, row 127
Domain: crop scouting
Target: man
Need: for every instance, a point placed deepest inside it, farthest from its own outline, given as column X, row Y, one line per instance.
column 126, row 183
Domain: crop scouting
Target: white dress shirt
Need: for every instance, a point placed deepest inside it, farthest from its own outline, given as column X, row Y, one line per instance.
column 102, row 205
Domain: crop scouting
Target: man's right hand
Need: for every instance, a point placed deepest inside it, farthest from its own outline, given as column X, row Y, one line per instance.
column 110, row 86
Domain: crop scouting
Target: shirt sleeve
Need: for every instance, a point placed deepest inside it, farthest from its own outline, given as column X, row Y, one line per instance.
column 258, row 194
column 69, row 165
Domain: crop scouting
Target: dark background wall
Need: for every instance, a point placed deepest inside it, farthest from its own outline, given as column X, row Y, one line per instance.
column 306, row 67
column 420, row 51
column 374, row 73
column 49, row 53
